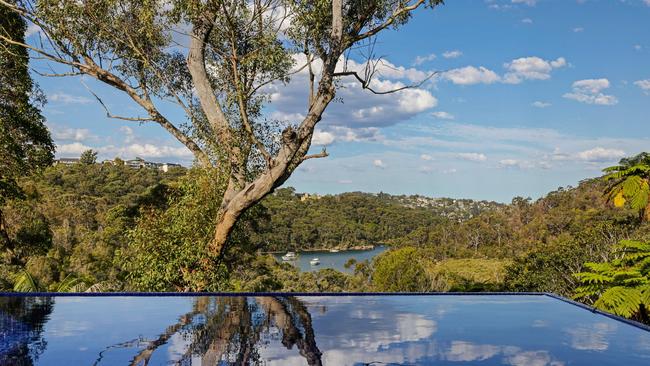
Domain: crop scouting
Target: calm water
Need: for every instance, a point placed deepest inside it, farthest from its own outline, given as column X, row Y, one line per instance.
column 332, row 260
column 533, row 330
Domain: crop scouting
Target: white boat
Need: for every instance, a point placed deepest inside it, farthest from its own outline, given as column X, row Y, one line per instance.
column 314, row 262
column 290, row 256
column 334, row 250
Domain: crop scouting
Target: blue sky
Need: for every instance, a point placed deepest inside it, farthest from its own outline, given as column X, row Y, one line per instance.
column 530, row 95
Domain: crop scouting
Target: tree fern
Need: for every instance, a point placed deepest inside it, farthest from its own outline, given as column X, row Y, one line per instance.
column 24, row 282
column 621, row 286
column 630, row 184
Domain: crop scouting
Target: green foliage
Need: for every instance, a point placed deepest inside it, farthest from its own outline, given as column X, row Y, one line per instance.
column 549, row 268
column 168, row 249
column 400, row 270
column 77, row 216
column 622, row 285
column 301, row 221
column 88, row 157
column 24, row 282
column 468, row 274
column 25, row 143
column 629, row 184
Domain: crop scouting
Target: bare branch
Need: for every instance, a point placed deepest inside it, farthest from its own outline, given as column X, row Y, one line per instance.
column 322, row 154
column 56, row 75
column 398, row 12
column 109, row 114
column 365, row 83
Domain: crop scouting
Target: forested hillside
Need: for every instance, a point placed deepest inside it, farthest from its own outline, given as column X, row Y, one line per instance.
column 302, row 221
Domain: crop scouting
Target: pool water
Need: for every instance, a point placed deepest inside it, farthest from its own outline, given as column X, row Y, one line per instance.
column 516, row 330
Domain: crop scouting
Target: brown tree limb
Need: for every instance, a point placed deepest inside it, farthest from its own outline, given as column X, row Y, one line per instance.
column 365, row 83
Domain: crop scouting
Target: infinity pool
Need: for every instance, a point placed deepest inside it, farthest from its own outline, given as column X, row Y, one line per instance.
column 531, row 330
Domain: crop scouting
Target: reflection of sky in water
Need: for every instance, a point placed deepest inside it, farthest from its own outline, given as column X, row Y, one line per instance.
column 440, row 330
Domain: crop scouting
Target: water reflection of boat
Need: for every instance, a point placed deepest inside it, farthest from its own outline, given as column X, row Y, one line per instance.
column 314, row 262
column 290, row 256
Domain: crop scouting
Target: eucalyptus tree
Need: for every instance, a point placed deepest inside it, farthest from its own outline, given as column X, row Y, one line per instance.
column 217, row 61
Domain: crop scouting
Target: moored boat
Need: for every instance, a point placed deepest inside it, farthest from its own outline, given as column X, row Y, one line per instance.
column 290, row 256
column 314, row 262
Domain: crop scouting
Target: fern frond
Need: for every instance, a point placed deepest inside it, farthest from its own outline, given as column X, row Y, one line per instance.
column 620, row 300
column 592, row 278
column 69, row 284
column 25, row 283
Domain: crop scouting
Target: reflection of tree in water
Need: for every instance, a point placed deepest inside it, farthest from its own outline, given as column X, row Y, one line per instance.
column 21, row 327
column 228, row 330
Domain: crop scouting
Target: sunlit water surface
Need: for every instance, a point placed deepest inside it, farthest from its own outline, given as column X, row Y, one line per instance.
column 335, row 260
column 521, row 330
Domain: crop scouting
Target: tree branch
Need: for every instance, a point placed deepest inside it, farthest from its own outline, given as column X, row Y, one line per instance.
column 322, row 154
column 398, row 12
column 365, row 83
column 109, row 114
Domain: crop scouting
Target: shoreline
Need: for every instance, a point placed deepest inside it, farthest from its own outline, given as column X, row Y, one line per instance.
column 357, row 248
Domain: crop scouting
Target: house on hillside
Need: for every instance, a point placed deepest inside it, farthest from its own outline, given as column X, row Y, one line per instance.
column 66, row 161
column 165, row 167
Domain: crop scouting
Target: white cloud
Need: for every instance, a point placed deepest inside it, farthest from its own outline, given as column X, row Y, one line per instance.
column 426, row 157
column 322, row 138
column 452, row 54
column 589, row 91
column 638, row 47
column 643, row 84
column 344, row 181
column 600, row 154
column 472, row 156
column 578, row 29
column 443, row 115
column 419, row 60
column 518, row 70
column 71, row 134
column 379, row 164
column 64, row 98
column 509, row 162
column 540, row 104
column 129, row 136
column 647, row 2
column 526, row 2
column 531, row 68
column 361, row 134
column 527, row 21
column 357, row 108
column 470, row 75
column 73, row 149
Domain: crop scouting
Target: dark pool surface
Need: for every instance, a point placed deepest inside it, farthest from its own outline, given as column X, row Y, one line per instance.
column 530, row 330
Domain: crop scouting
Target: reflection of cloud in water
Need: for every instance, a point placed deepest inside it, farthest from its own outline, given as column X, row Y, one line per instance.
column 644, row 341
column 466, row 351
column 591, row 337
column 67, row 328
column 532, row 358
column 540, row 324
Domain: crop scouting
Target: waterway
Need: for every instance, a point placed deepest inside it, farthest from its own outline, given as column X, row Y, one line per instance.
column 332, row 260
